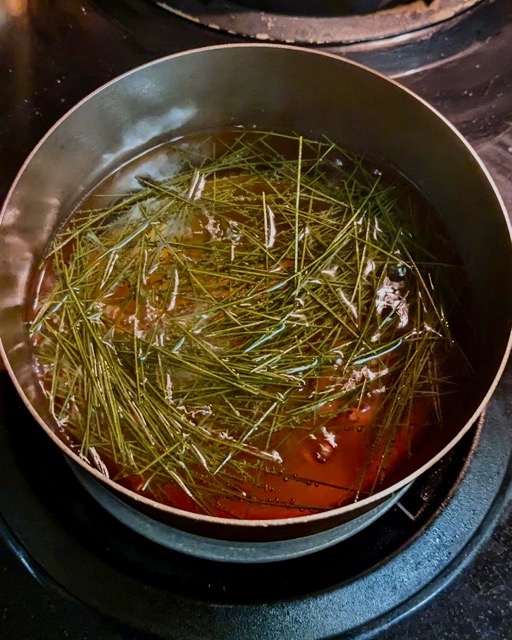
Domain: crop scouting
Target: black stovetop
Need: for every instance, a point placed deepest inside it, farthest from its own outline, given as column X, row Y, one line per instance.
column 52, row 54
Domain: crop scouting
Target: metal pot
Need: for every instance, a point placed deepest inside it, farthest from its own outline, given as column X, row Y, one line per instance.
column 276, row 88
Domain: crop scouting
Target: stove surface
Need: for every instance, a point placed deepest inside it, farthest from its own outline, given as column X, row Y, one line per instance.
column 56, row 52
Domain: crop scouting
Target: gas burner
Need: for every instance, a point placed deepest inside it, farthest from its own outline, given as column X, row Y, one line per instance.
column 319, row 22
column 426, row 33
column 417, row 547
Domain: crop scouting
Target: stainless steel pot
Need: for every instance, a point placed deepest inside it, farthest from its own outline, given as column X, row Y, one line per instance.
column 277, row 88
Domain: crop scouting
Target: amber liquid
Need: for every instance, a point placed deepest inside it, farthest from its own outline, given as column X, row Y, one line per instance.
column 338, row 456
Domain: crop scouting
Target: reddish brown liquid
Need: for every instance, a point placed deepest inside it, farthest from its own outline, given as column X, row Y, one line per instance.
column 339, row 457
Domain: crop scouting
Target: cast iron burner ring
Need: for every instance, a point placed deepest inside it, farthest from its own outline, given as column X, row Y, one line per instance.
column 321, row 26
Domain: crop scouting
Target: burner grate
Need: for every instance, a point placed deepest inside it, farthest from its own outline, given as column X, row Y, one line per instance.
column 317, row 23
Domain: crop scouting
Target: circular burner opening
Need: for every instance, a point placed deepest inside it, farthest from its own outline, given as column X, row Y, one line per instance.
column 317, row 22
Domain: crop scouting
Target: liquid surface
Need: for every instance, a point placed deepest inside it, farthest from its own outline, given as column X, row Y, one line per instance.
column 250, row 325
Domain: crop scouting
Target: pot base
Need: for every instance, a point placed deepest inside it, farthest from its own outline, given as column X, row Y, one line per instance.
column 227, row 550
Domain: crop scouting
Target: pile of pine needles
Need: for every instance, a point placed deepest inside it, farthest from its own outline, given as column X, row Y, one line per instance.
column 194, row 324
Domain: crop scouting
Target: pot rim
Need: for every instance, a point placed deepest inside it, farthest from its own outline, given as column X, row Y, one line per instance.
column 277, row 522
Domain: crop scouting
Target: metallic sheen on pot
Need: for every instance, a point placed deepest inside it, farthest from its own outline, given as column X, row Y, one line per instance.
column 271, row 87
